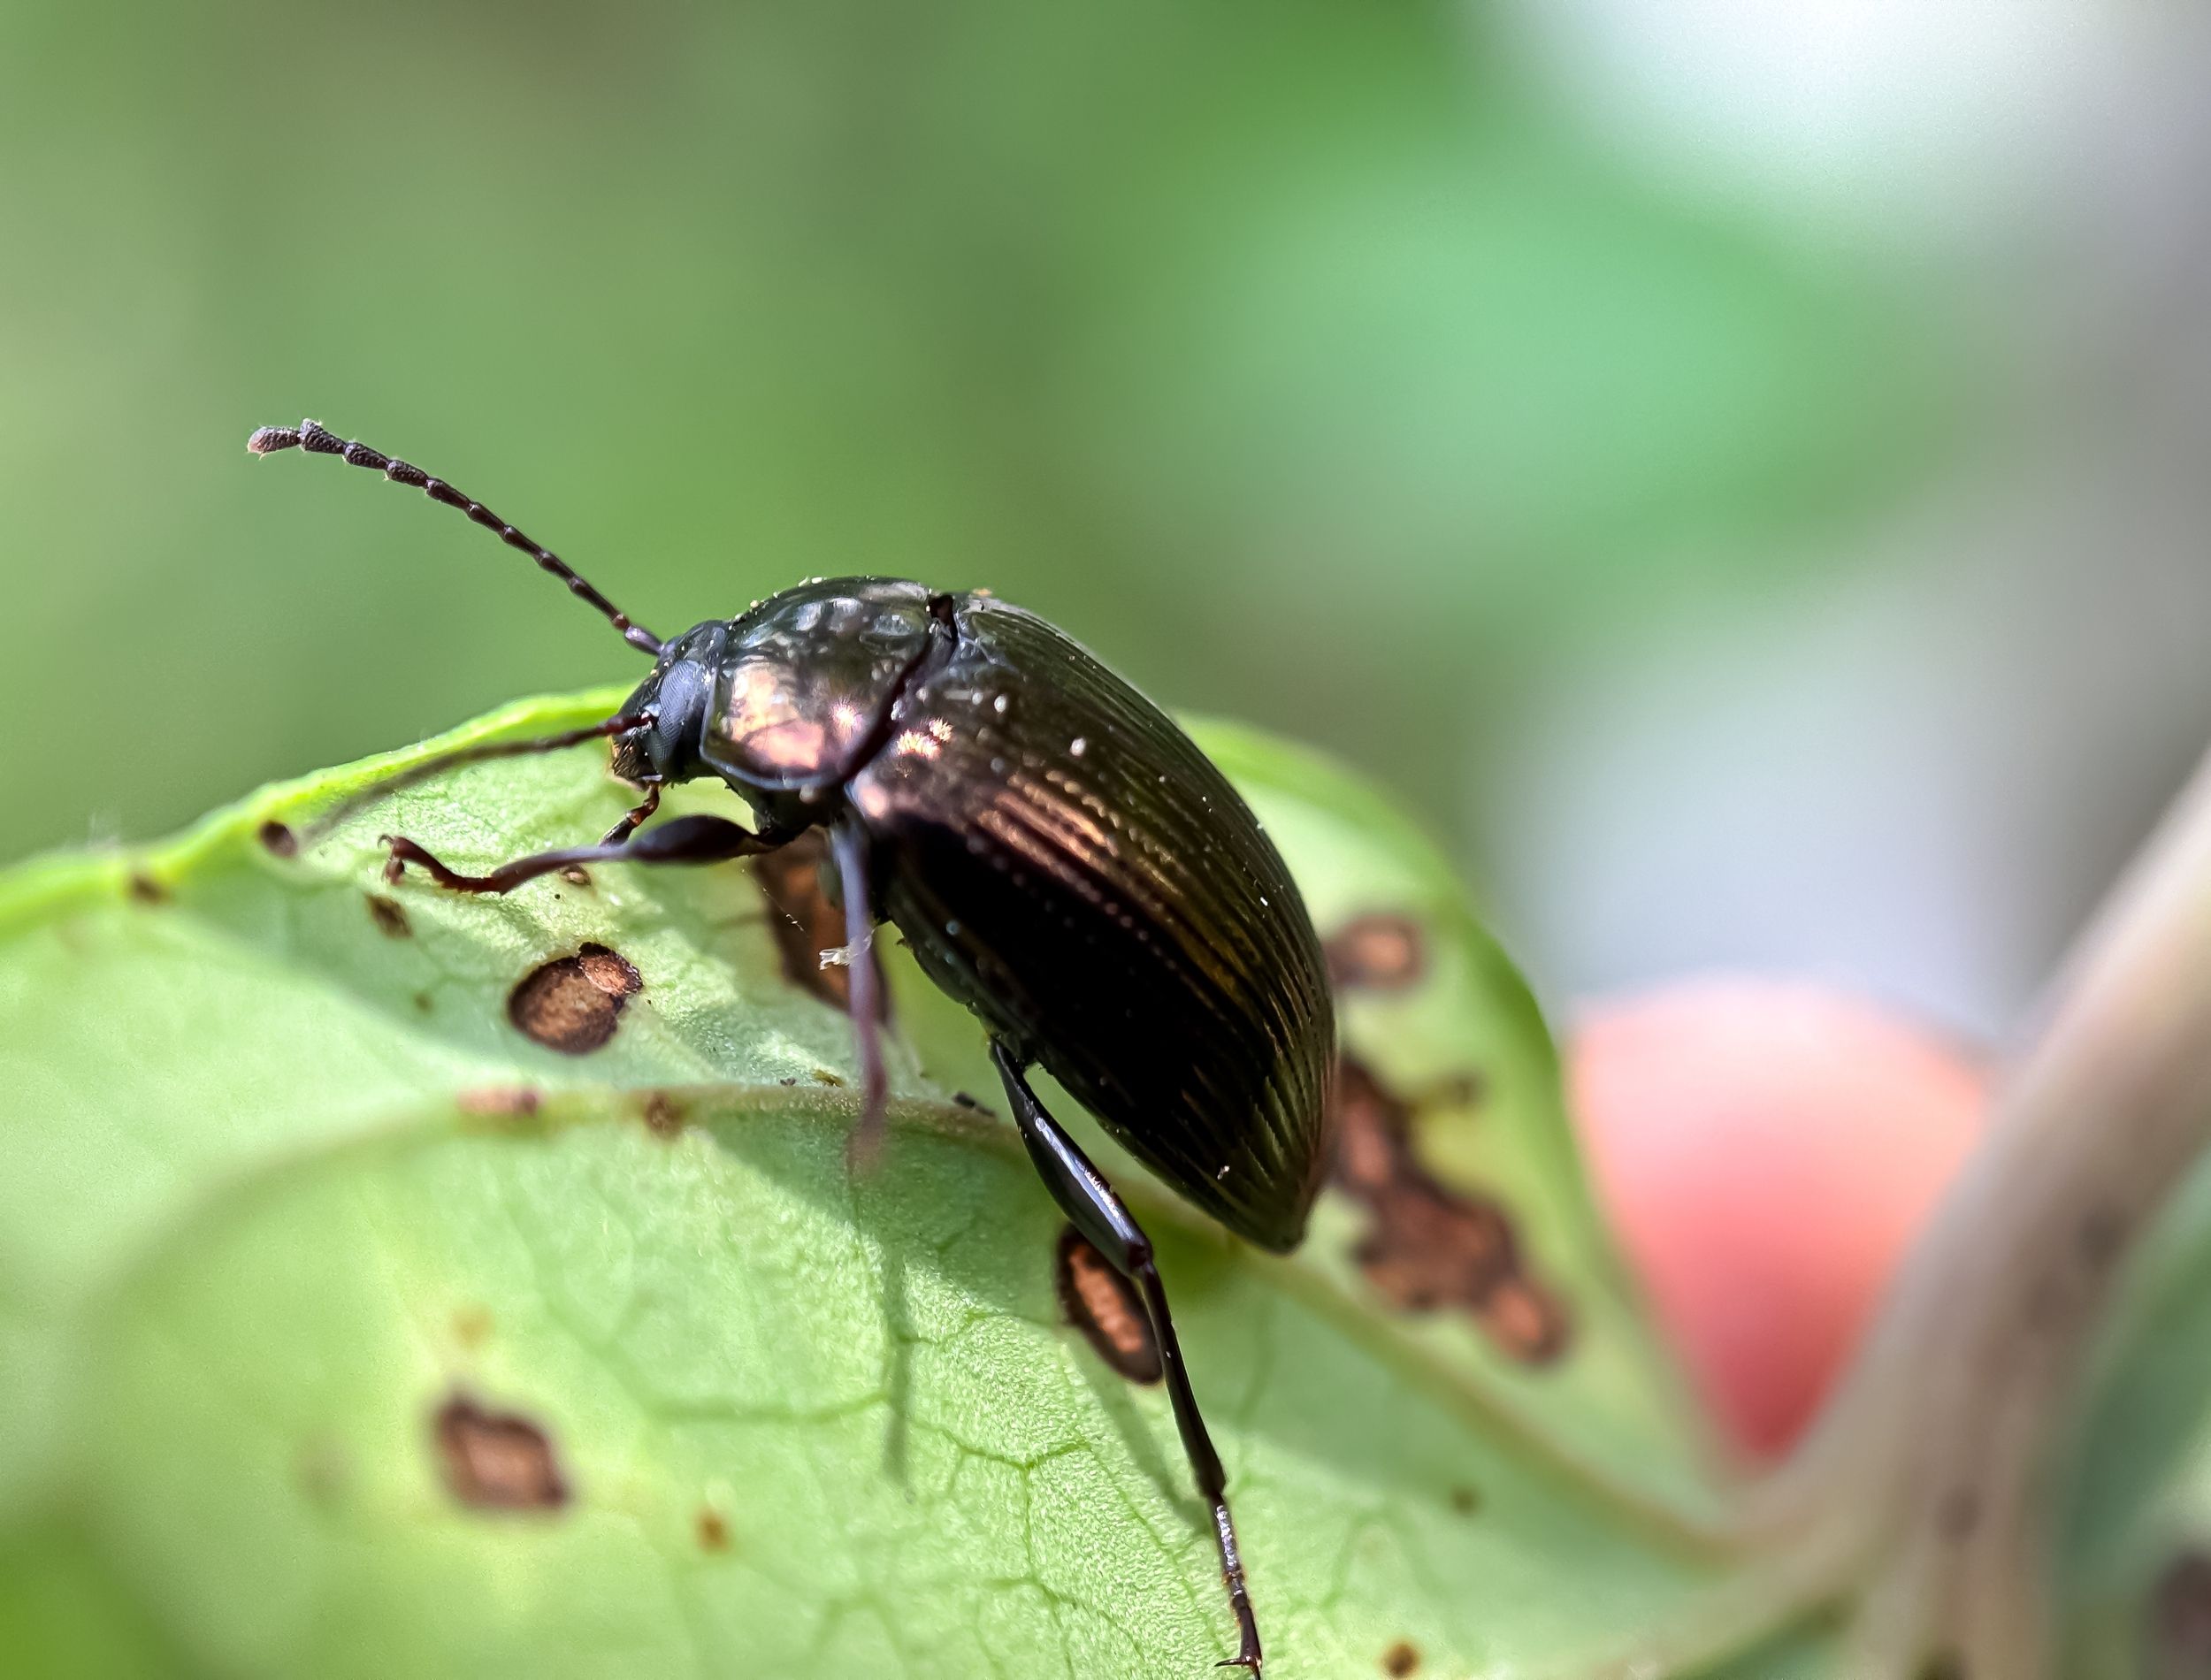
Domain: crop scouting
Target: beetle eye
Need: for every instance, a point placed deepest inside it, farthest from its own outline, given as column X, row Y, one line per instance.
column 683, row 705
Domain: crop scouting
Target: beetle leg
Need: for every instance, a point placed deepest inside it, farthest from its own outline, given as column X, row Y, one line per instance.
column 697, row 839
column 635, row 817
column 1102, row 1218
column 849, row 841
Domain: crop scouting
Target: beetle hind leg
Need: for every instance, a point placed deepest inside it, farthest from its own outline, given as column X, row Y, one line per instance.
column 1105, row 1221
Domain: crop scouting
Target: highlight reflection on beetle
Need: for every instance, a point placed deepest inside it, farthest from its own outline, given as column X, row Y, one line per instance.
column 1060, row 858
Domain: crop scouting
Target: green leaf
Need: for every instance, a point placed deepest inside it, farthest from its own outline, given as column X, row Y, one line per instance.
column 349, row 1331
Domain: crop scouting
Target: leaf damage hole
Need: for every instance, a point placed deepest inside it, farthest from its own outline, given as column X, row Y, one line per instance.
column 1105, row 1308
column 2179, row 1627
column 1379, row 953
column 1429, row 1246
column 497, row 1461
column 807, row 925
column 389, row 917
column 1402, row 1659
column 572, row 1005
column 278, row 838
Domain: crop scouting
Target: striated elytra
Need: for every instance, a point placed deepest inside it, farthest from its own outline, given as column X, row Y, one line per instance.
column 1059, row 855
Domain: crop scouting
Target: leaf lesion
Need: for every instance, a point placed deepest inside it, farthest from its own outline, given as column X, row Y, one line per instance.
column 713, row 1029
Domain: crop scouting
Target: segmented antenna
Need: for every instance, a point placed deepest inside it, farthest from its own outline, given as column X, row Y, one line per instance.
column 312, row 436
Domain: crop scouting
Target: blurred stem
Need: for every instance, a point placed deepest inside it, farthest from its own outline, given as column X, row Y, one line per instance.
column 1924, row 1477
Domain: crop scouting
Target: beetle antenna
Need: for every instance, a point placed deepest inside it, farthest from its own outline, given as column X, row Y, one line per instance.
column 312, row 436
column 431, row 768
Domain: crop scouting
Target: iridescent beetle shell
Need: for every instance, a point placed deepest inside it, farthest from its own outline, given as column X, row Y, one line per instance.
column 1059, row 855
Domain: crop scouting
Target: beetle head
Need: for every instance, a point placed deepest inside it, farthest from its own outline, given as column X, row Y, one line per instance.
column 675, row 697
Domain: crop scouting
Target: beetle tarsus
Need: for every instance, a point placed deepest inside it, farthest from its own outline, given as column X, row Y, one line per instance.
column 404, row 852
column 1239, row 1595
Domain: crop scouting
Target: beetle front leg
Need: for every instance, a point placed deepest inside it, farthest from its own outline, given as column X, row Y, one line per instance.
column 683, row 840
column 634, row 818
column 1105, row 1221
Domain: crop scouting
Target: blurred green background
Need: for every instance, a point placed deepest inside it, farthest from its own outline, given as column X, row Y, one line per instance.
column 1508, row 397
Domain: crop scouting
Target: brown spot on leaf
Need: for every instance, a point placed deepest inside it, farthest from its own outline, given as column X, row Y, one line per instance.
column 1466, row 1501
column 146, row 890
column 714, row 1529
column 1104, row 1307
column 573, row 1003
column 1457, row 1090
column 663, row 1114
column 1401, row 1660
column 1429, row 1246
column 390, row 919
column 278, row 838
column 323, row 1470
column 1376, row 953
column 425, row 1003
column 471, row 1326
column 498, row 1101
column 1525, row 1321
column 2179, row 1642
column 805, row 923
column 496, row 1461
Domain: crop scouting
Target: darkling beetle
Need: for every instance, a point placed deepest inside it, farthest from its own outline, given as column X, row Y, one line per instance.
column 1060, row 858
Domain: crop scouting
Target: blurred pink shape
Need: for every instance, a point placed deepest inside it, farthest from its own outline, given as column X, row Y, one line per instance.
column 1766, row 1151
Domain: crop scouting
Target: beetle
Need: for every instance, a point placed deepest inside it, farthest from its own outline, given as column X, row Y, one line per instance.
column 1060, row 858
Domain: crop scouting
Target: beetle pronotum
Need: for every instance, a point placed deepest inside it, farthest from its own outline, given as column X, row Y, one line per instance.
column 1059, row 856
